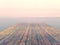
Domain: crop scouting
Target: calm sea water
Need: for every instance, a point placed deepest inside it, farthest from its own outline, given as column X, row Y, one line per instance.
column 6, row 22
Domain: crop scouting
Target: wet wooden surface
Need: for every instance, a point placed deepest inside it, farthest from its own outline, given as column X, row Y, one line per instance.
column 28, row 34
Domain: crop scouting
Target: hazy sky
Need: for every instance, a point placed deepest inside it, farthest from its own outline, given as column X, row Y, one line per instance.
column 29, row 8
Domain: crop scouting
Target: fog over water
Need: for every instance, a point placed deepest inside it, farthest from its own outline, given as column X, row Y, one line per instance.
column 6, row 22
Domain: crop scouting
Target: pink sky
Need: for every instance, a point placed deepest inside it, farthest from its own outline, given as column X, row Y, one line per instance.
column 30, row 12
column 29, row 8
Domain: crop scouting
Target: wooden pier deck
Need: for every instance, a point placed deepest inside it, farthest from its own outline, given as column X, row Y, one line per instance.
column 30, row 34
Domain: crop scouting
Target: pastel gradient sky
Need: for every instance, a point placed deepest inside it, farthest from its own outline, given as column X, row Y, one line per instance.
column 29, row 8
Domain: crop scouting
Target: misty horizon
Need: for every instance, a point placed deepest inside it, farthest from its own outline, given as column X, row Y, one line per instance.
column 7, row 22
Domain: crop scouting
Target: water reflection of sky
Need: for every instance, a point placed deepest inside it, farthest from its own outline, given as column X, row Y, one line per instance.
column 6, row 22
